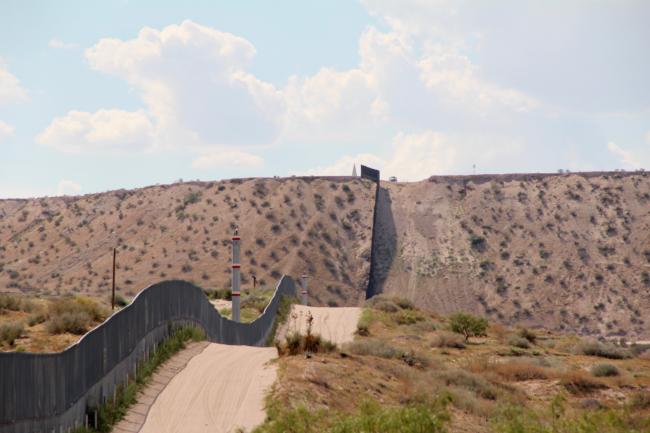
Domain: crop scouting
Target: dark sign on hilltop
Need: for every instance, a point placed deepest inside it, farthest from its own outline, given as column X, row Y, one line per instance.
column 370, row 173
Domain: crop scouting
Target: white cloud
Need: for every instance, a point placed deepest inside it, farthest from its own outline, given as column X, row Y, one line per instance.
column 10, row 88
column 647, row 137
column 112, row 130
column 626, row 157
column 58, row 44
column 193, row 80
column 227, row 158
column 68, row 187
column 6, row 131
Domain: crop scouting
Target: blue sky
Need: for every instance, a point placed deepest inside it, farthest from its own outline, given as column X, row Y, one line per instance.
column 105, row 95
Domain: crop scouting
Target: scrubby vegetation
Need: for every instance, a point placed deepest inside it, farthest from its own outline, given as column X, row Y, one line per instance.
column 468, row 325
column 74, row 315
column 490, row 385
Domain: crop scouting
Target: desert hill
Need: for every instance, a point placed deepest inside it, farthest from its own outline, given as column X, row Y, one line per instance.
column 568, row 252
column 62, row 245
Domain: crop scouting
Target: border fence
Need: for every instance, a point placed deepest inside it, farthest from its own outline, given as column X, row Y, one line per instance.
column 51, row 392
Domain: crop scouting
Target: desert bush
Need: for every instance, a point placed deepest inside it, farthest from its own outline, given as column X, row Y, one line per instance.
column 36, row 318
column 471, row 382
column 120, row 300
column 516, row 341
column 478, row 243
column 640, row 400
column 603, row 350
column 579, row 382
column 383, row 304
column 10, row 331
column 75, row 315
column 16, row 303
column 527, row 334
column 604, row 370
column 296, row 343
column 408, row 317
column 404, row 304
column 520, row 371
column 448, row 339
column 191, row 198
column 373, row 347
column 468, row 325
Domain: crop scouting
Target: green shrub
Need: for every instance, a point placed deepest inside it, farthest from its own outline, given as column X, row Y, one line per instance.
column 363, row 326
column 120, row 300
column 603, row 350
column 468, row 325
column 256, row 302
column 604, row 370
column 37, row 318
column 448, row 339
column 408, row 317
column 9, row 332
column 516, row 341
column 404, row 304
column 373, row 347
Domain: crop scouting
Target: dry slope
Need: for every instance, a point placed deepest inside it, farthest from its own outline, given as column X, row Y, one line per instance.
column 569, row 252
column 61, row 245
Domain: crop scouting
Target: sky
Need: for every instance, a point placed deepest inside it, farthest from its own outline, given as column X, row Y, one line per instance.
column 105, row 95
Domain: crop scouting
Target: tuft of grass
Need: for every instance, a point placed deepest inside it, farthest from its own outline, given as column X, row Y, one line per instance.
column 9, row 332
column 408, row 317
column 471, row 382
column 527, row 334
column 382, row 303
column 373, row 347
column 296, row 343
column 448, row 339
column 640, row 400
column 604, row 370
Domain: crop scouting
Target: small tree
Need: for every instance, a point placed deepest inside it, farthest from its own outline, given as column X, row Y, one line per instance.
column 468, row 325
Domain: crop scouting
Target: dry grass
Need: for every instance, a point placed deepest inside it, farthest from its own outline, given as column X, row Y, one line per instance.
column 580, row 382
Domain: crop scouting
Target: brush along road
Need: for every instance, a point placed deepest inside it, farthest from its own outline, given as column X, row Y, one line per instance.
column 334, row 324
column 223, row 387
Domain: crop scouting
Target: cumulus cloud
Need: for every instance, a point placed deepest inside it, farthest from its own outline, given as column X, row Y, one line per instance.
column 58, row 44
column 68, row 187
column 10, row 87
column 112, row 130
column 194, row 79
column 6, row 131
column 227, row 158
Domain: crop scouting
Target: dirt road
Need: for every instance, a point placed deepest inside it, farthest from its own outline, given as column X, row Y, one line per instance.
column 334, row 324
column 220, row 389
column 216, row 388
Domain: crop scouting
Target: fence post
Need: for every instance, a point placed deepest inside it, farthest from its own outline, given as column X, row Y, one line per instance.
column 235, row 277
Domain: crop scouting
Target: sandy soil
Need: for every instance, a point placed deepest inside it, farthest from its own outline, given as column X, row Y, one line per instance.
column 221, row 389
column 334, row 324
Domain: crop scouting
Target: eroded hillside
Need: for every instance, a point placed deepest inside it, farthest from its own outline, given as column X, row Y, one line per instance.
column 62, row 245
column 568, row 252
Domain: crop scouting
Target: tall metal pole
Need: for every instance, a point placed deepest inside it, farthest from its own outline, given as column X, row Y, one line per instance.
column 113, row 297
column 235, row 276
column 303, row 293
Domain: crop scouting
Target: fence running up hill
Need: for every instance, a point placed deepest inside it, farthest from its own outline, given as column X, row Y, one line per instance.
column 50, row 392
